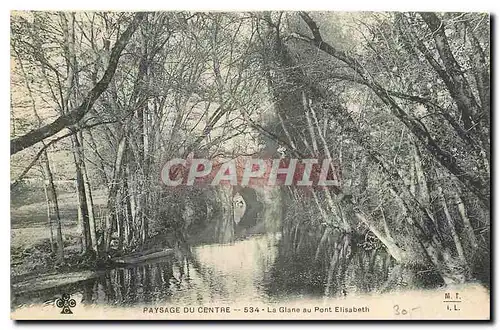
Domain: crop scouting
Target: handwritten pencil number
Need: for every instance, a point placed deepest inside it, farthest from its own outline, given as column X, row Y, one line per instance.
column 399, row 311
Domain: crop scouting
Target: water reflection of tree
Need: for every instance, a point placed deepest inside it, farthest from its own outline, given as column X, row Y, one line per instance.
column 150, row 282
column 338, row 267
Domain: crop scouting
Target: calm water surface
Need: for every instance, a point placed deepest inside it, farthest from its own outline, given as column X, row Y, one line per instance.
column 213, row 273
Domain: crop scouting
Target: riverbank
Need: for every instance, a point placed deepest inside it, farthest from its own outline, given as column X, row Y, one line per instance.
column 31, row 252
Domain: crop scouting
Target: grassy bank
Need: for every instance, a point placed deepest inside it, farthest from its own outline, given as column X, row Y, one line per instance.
column 30, row 232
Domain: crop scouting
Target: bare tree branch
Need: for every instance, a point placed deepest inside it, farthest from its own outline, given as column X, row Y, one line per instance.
column 75, row 115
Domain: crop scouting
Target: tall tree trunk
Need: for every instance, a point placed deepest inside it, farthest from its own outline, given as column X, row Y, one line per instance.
column 423, row 191
column 467, row 225
column 83, row 211
column 129, row 224
column 53, row 247
column 141, row 164
column 53, row 205
column 88, row 195
column 113, row 191
column 451, row 226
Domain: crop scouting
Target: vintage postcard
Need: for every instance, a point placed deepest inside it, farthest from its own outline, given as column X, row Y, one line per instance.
column 250, row 165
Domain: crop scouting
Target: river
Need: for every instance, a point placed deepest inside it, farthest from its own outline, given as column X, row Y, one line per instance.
column 222, row 276
column 212, row 273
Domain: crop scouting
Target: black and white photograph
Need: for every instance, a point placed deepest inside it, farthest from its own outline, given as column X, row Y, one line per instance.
column 250, row 165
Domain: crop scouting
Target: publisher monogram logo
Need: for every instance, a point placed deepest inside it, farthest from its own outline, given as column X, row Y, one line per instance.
column 66, row 303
